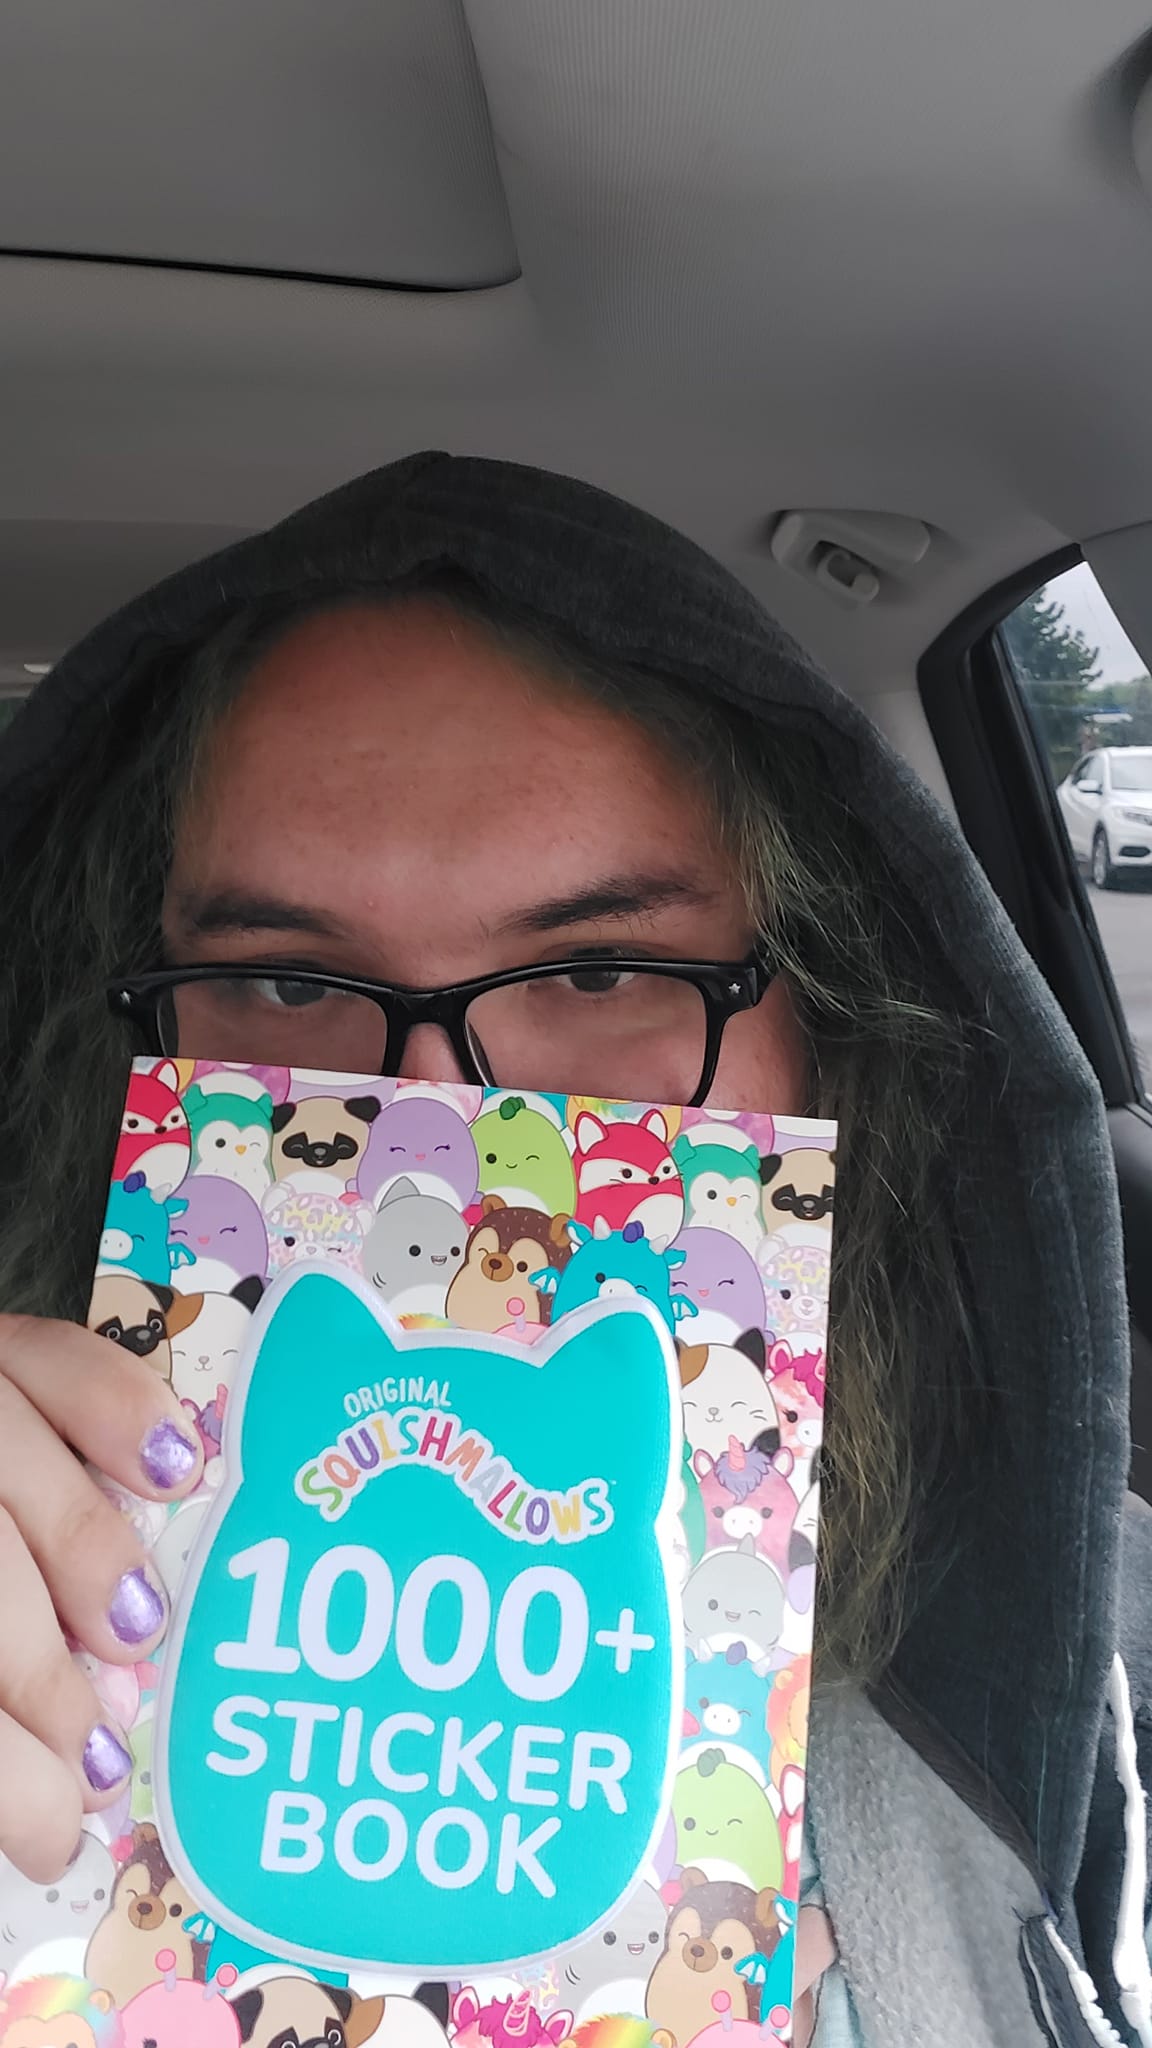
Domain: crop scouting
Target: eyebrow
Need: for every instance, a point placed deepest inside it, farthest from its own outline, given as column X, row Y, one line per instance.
column 229, row 910
column 612, row 896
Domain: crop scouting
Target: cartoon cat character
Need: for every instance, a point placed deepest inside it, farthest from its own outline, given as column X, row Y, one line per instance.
column 154, row 1138
column 609, row 1971
column 319, row 1142
column 625, row 1173
column 414, row 1250
column 714, row 1926
column 141, row 1318
column 493, row 1290
column 725, row 1394
column 148, row 1901
column 799, row 1189
column 722, row 1188
column 207, row 1345
column 734, row 1605
column 230, row 1120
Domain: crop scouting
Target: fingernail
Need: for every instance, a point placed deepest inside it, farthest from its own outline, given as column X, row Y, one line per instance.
column 106, row 1761
column 136, row 1610
column 167, row 1456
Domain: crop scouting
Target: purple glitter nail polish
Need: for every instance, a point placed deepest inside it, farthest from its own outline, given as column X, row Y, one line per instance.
column 106, row 1761
column 167, row 1456
column 136, row 1610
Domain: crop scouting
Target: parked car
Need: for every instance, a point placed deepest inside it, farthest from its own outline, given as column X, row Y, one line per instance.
column 1107, row 806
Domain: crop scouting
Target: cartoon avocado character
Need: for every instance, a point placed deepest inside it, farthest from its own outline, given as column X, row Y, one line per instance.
column 524, row 1159
column 724, row 1821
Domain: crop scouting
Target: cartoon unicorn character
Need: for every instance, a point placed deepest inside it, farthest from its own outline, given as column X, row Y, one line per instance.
column 611, row 1264
column 154, row 1137
column 626, row 1174
column 747, row 1493
column 797, row 1388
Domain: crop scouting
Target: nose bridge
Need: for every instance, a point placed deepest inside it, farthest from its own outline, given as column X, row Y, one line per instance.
column 428, row 1055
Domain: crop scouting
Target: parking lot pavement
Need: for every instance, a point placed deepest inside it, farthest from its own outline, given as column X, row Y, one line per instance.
column 1125, row 920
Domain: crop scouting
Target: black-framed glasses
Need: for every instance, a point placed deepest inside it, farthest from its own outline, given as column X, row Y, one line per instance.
column 619, row 1028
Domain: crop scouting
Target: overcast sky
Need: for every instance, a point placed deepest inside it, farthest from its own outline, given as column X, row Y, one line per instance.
column 1086, row 607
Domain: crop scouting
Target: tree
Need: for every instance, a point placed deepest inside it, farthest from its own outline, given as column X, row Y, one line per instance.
column 1057, row 669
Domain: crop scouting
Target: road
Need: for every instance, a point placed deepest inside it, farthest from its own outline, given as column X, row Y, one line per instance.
column 1125, row 920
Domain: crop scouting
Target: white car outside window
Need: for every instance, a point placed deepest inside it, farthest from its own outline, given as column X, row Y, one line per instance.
column 1107, row 806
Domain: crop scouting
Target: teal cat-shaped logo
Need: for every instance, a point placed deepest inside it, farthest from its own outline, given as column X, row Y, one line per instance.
column 422, row 1693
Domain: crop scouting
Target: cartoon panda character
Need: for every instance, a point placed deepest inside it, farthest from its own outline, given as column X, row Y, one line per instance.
column 493, row 1289
column 317, row 1144
column 141, row 1318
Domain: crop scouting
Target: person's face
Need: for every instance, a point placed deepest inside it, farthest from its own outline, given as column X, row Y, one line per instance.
column 393, row 796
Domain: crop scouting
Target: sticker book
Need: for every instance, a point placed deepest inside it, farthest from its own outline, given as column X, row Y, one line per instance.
column 482, row 1713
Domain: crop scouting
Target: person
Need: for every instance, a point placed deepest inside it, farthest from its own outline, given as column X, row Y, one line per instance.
column 463, row 720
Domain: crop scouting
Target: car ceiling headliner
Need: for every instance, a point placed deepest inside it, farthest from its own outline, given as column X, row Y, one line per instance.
column 728, row 257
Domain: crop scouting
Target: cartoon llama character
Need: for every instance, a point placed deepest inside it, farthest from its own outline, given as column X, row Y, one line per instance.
column 625, row 1173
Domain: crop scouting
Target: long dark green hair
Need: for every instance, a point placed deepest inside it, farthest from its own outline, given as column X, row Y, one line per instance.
column 83, row 900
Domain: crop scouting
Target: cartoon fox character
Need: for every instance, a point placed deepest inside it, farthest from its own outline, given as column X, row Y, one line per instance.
column 154, row 1138
column 625, row 1173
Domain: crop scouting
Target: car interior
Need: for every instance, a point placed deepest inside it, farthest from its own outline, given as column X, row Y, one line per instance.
column 858, row 297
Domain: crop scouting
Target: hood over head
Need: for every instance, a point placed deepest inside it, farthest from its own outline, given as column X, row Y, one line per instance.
column 1009, row 1646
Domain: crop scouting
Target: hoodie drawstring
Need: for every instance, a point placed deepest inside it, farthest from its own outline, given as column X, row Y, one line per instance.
column 1130, row 1963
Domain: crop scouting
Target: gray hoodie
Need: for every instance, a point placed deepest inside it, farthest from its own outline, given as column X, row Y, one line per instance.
column 978, row 1844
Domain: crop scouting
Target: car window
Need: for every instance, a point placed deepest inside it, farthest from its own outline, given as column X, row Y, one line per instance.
column 1089, row 696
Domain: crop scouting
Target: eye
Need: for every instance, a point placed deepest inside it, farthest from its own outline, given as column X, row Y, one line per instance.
column 726, row 1283
column 289, row 1241
column 220, row 1144
column 791, row 1415
column 726, row 1955
column 176, row 1912
column 599, row 1278
column 441, row 1148
column 521, row 1265
column 625, row 1173
column 51, row 1897
column 132, row 1123
column 490, row 1158
column 785, row 1294
column 653, row 1936
column 397, row 1148
column 713, row 1605
column 689, row 1824
column 413, row 1251
column 456, row 1251
column 100, row 1893
column 609, row 1939
column 711, row 1194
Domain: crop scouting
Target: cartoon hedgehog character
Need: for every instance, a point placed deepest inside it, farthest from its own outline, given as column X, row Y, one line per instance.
column 493, row 1289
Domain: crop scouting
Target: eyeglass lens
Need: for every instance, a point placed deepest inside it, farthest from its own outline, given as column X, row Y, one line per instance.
column 603, row 1031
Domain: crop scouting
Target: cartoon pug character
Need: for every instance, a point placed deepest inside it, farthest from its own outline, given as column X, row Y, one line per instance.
column 747, row 1493
column 154, row 1138
column 34, row 1914
column 625, row 1173
column 722, row 1188
column 795, row 1280
column 175, row 2013
column 221, row 1236
column 149, row 1909
column 723, row 1284
column 135, row 1235
column 414, row 1250
column 231, row 1130
column 609, row 1972
column 734, row 1604
column 305, row 1224
column 58, row 2012
column 725, row 1822
column 297, row 2012
column 523, row 1158
column 798, row 1189
column 426, row 1141
column 715, row 1926
column 206, row 1348
column 318, row 1144
column 493, row 1289
column 725, row 1394
column 141, row 1318
column 611, row 1264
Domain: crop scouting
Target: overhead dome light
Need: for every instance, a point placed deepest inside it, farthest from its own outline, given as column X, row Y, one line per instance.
column 37, row 668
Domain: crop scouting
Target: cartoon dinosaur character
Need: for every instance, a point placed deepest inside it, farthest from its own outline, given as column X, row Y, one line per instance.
column 522, row 1158
column 135, row 1234
column 725, row 1822
column 609, row 1264
column 154, row 1138
column 493, row 1290
column 626, row 1174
